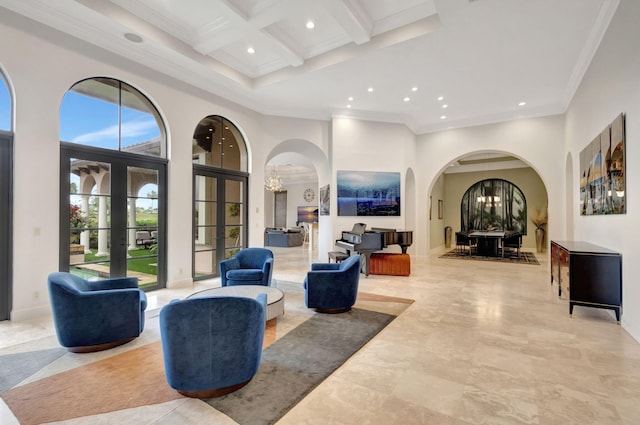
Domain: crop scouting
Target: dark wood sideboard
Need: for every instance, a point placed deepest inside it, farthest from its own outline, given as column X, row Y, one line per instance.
column 587, row 275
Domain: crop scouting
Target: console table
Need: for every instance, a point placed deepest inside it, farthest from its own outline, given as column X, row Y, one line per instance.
column 587, row 275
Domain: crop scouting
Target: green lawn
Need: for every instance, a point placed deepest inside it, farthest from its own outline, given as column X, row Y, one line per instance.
column 141, row 261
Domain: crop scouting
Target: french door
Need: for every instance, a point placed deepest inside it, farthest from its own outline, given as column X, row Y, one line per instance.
column 113, row 215
column 219, row 218
column 6, row 238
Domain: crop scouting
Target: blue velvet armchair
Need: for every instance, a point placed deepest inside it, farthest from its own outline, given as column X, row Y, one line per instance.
column 250, row 266
column 212, row 346
column 95, row 315
column 332, row 287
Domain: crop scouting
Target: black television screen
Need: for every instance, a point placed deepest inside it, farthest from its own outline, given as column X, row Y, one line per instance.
column 308, row 214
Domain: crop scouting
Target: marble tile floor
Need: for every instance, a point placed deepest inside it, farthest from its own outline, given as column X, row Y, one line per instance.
column 483, row 343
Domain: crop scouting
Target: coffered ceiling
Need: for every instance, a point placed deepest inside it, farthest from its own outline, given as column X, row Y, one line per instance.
column 489, row 60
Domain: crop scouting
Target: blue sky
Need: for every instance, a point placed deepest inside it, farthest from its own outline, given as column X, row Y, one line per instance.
column 93, row 122
column 5, row 106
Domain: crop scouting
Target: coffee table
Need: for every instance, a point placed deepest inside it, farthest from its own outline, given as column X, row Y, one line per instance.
column 275, row 297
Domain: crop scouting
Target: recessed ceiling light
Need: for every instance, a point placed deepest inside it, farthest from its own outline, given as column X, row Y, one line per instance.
column 445, row 106
column 350, row 98
column 522, row 103
column 348, row 106
column 134, row 38
column 370, row 89
column 414, row 89
column 440, row 98
column 442, row 117
column 406, row 99
column 310, row 25
column 251, row 50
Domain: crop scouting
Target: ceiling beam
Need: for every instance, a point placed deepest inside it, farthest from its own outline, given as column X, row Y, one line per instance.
column 351, row 18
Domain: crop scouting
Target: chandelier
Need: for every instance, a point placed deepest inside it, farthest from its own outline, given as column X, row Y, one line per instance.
column 273, row 183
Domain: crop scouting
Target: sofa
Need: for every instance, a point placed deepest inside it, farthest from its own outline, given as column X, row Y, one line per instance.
column 283, row 237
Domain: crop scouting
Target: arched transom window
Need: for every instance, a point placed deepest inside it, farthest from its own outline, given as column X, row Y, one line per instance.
column 494, row 204
column 110, row 114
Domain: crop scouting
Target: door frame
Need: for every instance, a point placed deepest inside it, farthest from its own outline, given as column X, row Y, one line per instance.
column 6, row 224
column 221, row 176
column 119, row 161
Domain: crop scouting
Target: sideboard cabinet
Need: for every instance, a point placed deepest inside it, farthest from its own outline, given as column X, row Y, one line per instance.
column 587, row 275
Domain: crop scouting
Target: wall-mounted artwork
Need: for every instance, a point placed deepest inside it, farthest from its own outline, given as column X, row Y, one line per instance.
column 324, row 200
column 602, row 172
column 307, row 214
column 368, row 193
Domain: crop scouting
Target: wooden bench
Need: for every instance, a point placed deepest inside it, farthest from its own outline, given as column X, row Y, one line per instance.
column 390, row 264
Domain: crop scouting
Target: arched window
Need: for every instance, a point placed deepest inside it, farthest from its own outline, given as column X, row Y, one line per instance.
column 494, row 204
column 110, row 114
column 220, row 192
column 219, row 143
column 5, row 105
column 113, row 183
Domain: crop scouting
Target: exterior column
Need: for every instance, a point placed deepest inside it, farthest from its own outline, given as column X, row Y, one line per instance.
column 132, row 224
column 84, row 236
column 103, row 233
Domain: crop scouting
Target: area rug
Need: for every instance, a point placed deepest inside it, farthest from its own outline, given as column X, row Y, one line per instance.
column 297, row 363
column 295, row 360
column 524, row 258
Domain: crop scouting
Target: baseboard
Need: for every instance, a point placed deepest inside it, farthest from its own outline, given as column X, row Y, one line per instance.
column 631, row 328
column 20, row 315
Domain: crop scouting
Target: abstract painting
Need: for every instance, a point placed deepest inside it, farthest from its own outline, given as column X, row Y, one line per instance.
column 324, row 200
column 602, row 172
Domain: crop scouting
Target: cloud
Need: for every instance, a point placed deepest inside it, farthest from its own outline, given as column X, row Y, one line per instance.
column 129, row 129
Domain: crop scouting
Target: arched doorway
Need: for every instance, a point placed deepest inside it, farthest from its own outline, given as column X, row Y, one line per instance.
column 112, row 143
column 460, row 174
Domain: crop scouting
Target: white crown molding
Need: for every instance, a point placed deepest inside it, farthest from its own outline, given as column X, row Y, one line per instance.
column 589, row 50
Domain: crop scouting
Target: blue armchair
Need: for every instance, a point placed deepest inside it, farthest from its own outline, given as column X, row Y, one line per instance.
column 96, row 315
column 332, row 287
column 250, row 266
column 212, row 345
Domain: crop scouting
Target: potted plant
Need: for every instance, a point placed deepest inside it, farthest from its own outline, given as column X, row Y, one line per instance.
column 539, row 218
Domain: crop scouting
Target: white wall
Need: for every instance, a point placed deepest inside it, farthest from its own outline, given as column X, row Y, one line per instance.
column 369, row 146
column 611, row 86
column 436, row 224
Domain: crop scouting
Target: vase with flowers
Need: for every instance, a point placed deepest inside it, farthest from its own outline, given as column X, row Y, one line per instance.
column 539, row 218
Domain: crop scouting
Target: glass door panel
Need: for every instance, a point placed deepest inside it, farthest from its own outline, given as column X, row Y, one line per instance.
column 219, row 217
column 89, row 229
column 206, row 230
column 142, row 225
column 116, row 221
column 234, row 225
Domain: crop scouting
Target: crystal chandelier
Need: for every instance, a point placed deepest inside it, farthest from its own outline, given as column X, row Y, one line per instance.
column 273, row 182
